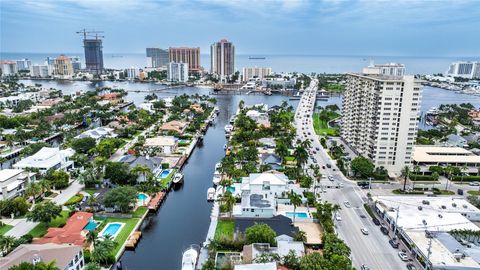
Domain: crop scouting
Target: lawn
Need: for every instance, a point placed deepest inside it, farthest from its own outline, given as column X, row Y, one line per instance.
column 5, row 228
column 473, row 192
column 335, row 87
column 225, row 228
column 130, row 224
column 140, row 211
column 321, row 126
column 41, row 229
column 165, row 182
column 74, row 199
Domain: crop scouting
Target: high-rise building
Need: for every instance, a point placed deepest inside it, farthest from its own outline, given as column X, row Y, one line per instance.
column 132, row 73
column 76, row 64
column 93, row 54
column 380, row 115
column 50, row 60
column 24, row 64
column 468, row 70
column 177, row 72
column 191, row 56
column 62, row 67
column 157, row 58
column 8, row 68
column 223, row 58
column 255, row 72
column 40, row 71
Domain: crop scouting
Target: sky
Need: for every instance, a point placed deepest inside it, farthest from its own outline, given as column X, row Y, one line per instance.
column 294, row 27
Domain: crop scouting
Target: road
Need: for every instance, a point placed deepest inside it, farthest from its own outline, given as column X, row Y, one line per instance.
column 372, row 249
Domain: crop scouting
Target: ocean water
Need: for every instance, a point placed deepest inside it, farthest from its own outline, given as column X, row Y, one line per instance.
column 278, row 63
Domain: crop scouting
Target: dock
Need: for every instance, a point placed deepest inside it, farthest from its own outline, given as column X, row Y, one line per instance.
column 156, row 201
column 133, row 240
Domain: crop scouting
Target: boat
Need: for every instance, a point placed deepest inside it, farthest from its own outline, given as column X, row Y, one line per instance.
column 216, row 180
column 211, row 194
column 433, row 111
column 268, row 93
column 177, row 178
column 228, row 128
column 200, row 137
column 219, row 165
column 189, row 258
column 257, row 57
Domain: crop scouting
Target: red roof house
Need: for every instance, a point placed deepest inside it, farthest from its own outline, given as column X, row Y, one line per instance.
column 71, row 233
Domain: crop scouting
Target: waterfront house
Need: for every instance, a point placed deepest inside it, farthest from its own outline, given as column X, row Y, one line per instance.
column 285, row 244
column 98, row 133
column 259, row 192
column 13, row 182
column 73, row 233
column 273, row 160
column 111, row 98
column 281, row 224
column 165, row 145
column 153, row 163
column 456, row 140
column 47, row 158
column 260, row 118
column 66, row 257
column 197, row 108
column 268, row 142
column 175, row 126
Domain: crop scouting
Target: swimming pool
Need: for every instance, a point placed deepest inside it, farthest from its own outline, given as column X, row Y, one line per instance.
column 231, row 189
column 90, row 226
column 142, row 197
column 164, row 174
column 112, row 229
column 297, row 214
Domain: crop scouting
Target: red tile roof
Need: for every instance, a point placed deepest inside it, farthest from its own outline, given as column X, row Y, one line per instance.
column 71, row 233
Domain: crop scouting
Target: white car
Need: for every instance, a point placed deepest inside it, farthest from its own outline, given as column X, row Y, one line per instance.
column 475, row 184
column 403, row 256
column 364, row 231
column 338, row 217
column 347, row 204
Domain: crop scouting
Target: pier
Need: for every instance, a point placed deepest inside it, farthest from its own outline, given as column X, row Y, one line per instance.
column 156, row 201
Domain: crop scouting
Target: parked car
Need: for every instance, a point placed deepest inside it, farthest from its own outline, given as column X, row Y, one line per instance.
column 338, row 217
column 393, row 243
column 403, row 256
column 475, row 184
column 410, row 266
column 328, row 165
column 376, row 221
column 364, row 231
column 318, row 149
column 347, row 204
column 364, row 267
column 384, row 230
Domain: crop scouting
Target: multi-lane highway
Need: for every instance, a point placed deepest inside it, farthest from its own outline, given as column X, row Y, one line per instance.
column 373, row 249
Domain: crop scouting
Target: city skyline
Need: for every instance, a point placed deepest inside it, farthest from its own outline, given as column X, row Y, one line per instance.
column 410, row 28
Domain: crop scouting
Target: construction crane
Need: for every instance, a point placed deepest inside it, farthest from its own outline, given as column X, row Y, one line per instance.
column 90, row 33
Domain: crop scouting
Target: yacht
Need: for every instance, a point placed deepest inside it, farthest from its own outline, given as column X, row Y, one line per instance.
column 189, row 258
column 177, row 178
column 211, row 194
column 433, row 111
column 216, row 180
column 228, row 128
column 218, row 165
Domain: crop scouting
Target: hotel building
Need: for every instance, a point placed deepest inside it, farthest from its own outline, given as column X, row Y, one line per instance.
column 255, row 72
column 191, row 56
column 223, row 58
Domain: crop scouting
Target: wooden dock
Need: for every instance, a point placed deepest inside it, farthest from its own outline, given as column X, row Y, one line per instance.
column 156, row 201
column 133, row 239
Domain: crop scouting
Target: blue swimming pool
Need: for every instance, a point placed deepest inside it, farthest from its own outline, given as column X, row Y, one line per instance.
column 91, row 225
column 164, row 173
column 111, row 229
column 231, row 189
column 142, row 197
column 297, row 214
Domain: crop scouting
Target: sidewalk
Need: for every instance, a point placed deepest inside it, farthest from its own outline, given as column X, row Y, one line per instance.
column 67, row 193
column 21, row 227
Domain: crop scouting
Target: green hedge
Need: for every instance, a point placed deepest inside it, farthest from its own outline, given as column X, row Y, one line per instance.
column 468, row 178
column 420, row 177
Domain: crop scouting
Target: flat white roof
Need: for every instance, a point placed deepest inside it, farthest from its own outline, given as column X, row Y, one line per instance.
column 444, row 154
column 6, row 174
column 160, row 141
column 256, row 266
column 47, row 157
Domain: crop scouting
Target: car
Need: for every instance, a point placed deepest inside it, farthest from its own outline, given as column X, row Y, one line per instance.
column 331, row 178
column 347, row 204
column 474, row 184
column 338, row 217
column 384, row 230
column 393, row 243
column 314, row 151
column 364, row 231
column 314, row 160
column 318, row 149
column 323, row 167
column 328, row 165
column 376, row 221
column 410, row 266
column 403, row 256
column 364, row 267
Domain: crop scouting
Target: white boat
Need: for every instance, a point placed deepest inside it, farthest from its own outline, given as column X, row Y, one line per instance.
column 177, row 178
column 218, row 165
column 433, row 111
column 228, row 128
column 211, row 194
column 216, row 180
column 189, row 259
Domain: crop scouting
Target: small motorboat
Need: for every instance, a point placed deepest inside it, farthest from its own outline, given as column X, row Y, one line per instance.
column 216, row 180
column 218, row 165
column 177, row 178
column 189, row 258
column 211, row 194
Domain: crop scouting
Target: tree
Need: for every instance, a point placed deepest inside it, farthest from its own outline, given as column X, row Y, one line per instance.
column 103, row 252
column 36, row 266
column 122, row 197
column 32, row 190
column 83, row 145
column 405, row 174
column 17, row 206
column 312, row 261
column 296, row 201
column 119, row 173
column 44, row 185
column 267, row 257
column 463, row 170
column 291, row 261
column 89, row 178
column 143, row 170
column 300, row 236
column 2, row 160
column 44, row 212
column 260, row 233
column 92, row 266
column 59, row 179
column 362, row 166
column 92, row 237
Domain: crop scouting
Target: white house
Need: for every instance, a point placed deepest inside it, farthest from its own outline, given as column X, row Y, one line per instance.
column 165, row 144
column 98, row 133
column 47, row 158
column 13, row 182
column 66, row 257
column 259, row 193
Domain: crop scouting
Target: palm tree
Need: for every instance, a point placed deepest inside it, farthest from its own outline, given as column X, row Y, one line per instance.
column 463, row 169
column 336, row 208
column 142, row 170
column 2, row 160
column 405, row 174
column 225, row 183
column 32, row 190
column 92, row 237
column 7, row 243
column 44, row 185
column 295, row 200
column 449, row 171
